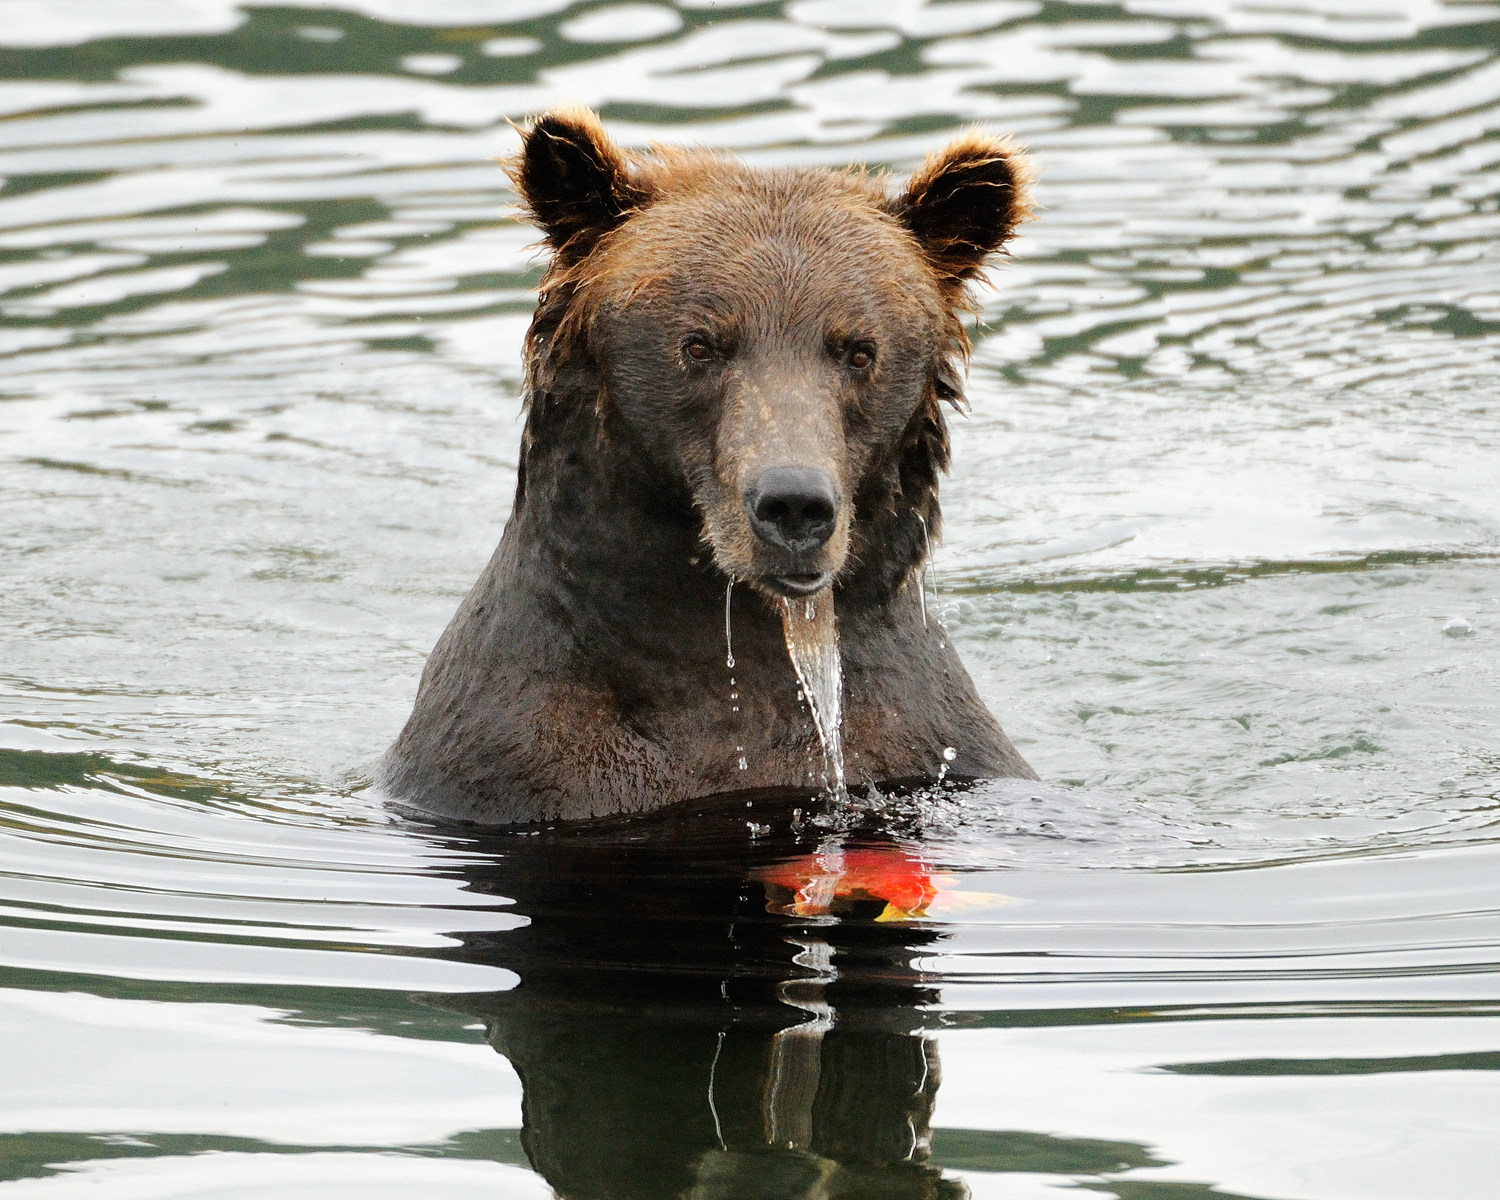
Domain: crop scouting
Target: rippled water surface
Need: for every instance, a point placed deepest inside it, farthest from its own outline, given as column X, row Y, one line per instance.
column 1220, row 552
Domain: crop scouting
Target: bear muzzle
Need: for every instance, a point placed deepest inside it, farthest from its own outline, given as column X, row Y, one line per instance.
column 793, row 512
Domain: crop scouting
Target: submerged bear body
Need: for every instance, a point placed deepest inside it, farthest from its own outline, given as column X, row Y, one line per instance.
column 735, row 380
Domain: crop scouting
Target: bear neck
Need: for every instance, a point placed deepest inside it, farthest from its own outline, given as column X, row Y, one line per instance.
column 587, row 671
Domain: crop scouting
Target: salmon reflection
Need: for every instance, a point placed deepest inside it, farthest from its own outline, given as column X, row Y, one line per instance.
column 712, row 1012
column 816, row 885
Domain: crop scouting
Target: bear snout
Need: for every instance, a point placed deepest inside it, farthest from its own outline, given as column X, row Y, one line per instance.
column 793, row 508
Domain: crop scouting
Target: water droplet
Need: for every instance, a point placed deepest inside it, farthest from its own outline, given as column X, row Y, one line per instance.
column 744, row 763
column 949, row 753
column 1458, row 628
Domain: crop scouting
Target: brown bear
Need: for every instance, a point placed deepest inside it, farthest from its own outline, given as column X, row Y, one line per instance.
column 735, row 379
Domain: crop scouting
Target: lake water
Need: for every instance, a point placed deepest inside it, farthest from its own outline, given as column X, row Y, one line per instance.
column 1221, row 554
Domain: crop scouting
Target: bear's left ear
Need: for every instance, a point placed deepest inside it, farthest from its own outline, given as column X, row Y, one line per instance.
column 965, row 202
column 576, row 182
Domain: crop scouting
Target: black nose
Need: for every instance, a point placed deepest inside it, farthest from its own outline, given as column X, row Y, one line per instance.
column 793, row 508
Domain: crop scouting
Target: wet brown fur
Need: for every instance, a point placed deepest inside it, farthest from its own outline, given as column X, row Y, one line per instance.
column 635, row 461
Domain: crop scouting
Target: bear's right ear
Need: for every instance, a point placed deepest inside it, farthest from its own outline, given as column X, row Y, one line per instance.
column 575, row 181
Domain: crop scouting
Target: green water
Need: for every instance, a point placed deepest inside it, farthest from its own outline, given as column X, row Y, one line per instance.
column 1220, row 553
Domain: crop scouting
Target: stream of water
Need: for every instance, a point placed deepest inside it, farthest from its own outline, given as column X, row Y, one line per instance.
column 1220, row 550
column 812, row 643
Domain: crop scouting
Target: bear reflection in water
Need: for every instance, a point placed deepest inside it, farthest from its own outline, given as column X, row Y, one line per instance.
column 644, row 1105
column 681, row 1029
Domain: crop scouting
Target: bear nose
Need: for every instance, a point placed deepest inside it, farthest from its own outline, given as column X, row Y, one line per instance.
column 793, row 508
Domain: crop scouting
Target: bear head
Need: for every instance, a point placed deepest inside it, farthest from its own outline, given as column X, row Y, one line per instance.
column 775, row 343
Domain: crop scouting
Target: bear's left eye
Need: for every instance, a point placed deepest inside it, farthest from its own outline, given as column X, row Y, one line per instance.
column 860, row 356
column 697, row 347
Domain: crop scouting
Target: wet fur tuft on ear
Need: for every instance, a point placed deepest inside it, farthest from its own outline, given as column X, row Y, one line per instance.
column 965, row 202
column 577, row 184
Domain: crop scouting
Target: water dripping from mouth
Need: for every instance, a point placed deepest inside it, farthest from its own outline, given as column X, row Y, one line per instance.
column 812, row 641
column 728, row 632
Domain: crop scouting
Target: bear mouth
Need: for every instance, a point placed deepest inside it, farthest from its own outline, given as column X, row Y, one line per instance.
column 798, row 586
